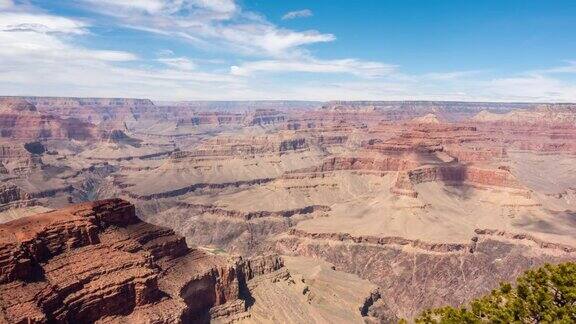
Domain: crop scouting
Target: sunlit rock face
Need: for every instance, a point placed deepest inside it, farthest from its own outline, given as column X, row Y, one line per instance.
column 416, row 204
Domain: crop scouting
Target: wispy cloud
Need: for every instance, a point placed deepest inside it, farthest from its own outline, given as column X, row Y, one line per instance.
column 41, row 54
column 165, row 7
column 180, row 63
column 529, row 88
column 40, row 23
column 40, row 57
column 312, row 65
column 452, row 75
column 298, row 14
column 569, row 67
column 30, row 37
column 210, row 22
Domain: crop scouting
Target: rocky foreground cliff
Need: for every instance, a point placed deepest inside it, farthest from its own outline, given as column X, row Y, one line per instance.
column 97, row 262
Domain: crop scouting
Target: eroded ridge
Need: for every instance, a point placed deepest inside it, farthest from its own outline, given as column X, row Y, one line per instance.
column 99, row 262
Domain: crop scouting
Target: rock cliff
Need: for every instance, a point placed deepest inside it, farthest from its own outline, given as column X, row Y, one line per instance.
column 20, row 120
column 98, row 262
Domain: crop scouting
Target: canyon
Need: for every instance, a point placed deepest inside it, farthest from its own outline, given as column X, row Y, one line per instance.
column 118, row 210
column 98, row 262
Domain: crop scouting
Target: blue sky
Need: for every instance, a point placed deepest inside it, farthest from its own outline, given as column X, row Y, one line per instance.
column 506, row 50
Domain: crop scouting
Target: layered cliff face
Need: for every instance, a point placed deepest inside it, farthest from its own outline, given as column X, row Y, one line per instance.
column 415, row 275
column 406, row 110
column 93, row 110
column 97, row 262
column 11, row 151
column 541, row 114
column 79, row 102
column 413, row 204
column 20, row 119
column 265, row 117
column 211, row 118
column 92, row 261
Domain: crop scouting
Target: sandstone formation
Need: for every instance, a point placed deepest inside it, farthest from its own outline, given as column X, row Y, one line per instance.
column 391, row 207
column 20, row 120
column 97, row 262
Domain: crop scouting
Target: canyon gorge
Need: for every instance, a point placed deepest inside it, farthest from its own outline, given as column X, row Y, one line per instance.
column 118, row 210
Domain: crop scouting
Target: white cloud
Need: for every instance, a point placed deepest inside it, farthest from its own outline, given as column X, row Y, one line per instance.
column 569, row 67
column 40, row 55
column 529, row 88
column 165, row 52
column 349, row 66
column 298, row 14
column 30, row 37
column 225, row 6
column 180, row 63
column 255, row 38
column 127, row 7
column 453, row 75
column 166, row 7
column 219, row 23
column 18, row 21
column 42, row 59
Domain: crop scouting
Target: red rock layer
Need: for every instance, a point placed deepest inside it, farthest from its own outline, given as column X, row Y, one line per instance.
column 99, row 262
column 264, row 117
column 453, row 175
column 459, row 174
column 94, row 110
column 20, row 120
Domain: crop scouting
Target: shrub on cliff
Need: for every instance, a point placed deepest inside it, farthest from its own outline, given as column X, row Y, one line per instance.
column 543, row 295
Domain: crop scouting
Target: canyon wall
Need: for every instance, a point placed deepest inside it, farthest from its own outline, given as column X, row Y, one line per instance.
column 98, row 262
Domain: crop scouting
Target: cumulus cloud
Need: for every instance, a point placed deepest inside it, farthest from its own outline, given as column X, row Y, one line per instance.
column 298, row 14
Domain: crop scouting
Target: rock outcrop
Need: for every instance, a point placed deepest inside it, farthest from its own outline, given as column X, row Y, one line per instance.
column 362, row 163
column 240, row 147
column 413, row 276
column 99, row 262
column 264, row 117
column 464, row 174
column 541, row 114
